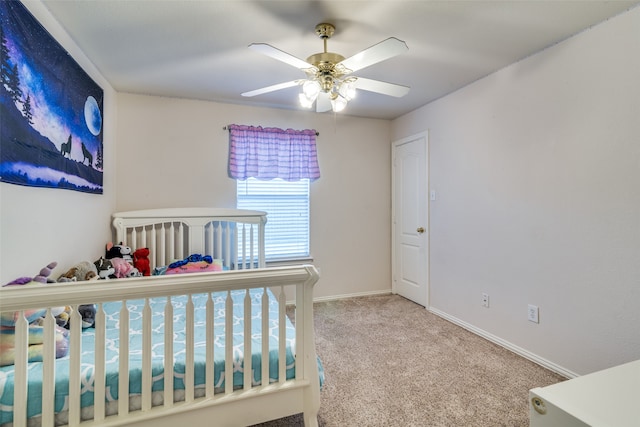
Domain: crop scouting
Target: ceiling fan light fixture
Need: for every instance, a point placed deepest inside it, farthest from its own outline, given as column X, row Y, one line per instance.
column 311, row 89
column 347, row 90
column 304, row 101
column 338, row 104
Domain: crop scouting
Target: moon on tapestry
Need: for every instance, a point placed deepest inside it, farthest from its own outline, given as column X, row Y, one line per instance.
column 92, row 116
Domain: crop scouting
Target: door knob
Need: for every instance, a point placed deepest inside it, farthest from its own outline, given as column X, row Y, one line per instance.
column 420, row 230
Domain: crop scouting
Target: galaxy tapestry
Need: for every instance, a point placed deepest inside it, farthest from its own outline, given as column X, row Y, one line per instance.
column 50, row 110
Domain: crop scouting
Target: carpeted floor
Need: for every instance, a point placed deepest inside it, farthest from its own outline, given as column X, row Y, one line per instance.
column 389, row 362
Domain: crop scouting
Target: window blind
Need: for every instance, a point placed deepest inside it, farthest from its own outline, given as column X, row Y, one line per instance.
column 287, row 207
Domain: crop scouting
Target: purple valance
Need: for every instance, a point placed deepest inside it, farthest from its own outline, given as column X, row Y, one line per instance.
column 269, row 153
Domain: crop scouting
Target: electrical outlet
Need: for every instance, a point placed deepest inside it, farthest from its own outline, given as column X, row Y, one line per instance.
column 485, row 300
column 532, row 313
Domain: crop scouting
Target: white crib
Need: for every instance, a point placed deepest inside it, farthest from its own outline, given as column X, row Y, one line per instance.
column 203, row 390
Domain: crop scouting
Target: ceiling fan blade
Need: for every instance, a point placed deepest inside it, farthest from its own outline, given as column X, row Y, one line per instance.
column 384, row 88
column 280, row 55
column 272, row 88
column 377, row 53
column 323, row 103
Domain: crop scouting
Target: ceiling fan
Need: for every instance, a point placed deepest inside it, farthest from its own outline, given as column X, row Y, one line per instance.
column 329, row 81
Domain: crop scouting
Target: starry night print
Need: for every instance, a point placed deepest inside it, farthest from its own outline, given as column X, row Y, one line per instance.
column 50, row 109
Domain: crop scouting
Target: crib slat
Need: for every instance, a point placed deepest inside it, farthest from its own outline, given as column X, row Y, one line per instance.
column 251, row 254
column 168, row 354
column 189, row 380
column 153, row 249
column 163, row 245
column 210, row 341
column 99, row 370
column 123, row 352
column 282, row 337
column 208, row 240
column 48, row 370
column 265, row 337
column 261, row 249
column 180, row 252
column 218, row 242
column 75, row 365
column 244, row 246
column 134, row 238
column 172, row 241
column 248, row 362
column 228, row 345
column 227, row 241
column 146, row 356
column 233, row 251
column 232, row 241
column 20, row 372
column 143, row 239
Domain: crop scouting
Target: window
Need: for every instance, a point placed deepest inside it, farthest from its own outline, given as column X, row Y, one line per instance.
column 287, row 207
column 272, row 168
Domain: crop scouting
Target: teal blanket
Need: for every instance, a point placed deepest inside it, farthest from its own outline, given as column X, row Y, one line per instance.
column 112, row 311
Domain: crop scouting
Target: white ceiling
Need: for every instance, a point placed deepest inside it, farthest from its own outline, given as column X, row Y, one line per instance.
column 198, row 49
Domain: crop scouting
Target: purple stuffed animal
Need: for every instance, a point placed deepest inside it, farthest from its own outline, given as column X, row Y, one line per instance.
column 43, row 277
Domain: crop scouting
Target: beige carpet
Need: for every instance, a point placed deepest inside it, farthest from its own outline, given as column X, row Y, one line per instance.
column 389, row 362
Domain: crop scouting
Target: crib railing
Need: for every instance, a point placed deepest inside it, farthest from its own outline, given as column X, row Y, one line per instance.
column 235, row 236
column 19, row 299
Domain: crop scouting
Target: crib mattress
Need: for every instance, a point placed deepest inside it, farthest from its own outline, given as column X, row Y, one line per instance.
column 112, row 310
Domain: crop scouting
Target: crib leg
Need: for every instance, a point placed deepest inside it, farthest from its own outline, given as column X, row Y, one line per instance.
column 310, row 420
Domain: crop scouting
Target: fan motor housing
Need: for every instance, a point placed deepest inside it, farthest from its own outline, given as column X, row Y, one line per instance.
column 323, row 59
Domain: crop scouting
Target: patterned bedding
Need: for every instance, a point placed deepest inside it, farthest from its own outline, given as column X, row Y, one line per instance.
column 135, row 350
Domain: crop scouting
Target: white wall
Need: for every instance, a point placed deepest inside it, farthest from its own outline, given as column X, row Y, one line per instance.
column 537, row 172
column 173, row 153
column 39, row 225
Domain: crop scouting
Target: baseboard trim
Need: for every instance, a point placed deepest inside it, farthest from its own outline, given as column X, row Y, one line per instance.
column 355, row 295
column 506, row 344
column 344, row 296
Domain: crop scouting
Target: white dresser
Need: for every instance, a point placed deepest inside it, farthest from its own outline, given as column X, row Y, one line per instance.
column 608, row 398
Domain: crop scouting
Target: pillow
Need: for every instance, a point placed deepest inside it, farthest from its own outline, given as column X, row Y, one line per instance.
column 10, row 319
column 35, row 350
column 196, row 267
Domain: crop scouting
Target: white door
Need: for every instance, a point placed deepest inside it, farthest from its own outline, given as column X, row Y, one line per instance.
column 410, row 218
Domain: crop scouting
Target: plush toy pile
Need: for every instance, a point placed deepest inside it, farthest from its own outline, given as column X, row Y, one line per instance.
column 35, row 320
column 119, row 261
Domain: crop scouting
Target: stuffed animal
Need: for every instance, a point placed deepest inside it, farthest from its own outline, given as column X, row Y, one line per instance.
column 120, row 257
column 88, row 313
column 118, row 251
column 105, row 269
column 123, row 269
column 84, row 270
column 43, row 277
column 62, row 316
column 141, row 261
